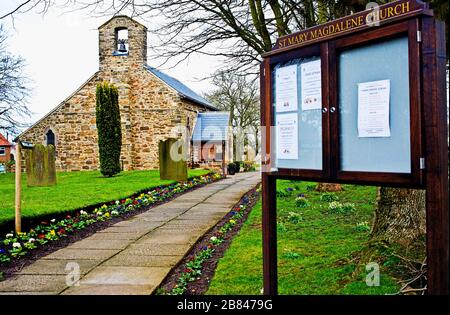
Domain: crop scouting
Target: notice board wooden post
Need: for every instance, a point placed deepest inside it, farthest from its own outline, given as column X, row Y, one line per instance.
column 413, row 23
column 436, row 163
column 269, row 221
column 269, row 186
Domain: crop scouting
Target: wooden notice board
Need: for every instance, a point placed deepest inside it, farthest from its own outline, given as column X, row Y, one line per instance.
column 360, row 100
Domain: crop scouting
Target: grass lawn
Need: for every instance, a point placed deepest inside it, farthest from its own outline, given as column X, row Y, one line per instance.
column 314, row 247
column 75, row 190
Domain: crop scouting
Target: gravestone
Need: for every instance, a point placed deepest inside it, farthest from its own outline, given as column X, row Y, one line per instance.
column 40, row 165
column 172, row 166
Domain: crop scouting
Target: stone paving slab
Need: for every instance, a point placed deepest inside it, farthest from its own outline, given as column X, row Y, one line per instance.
column 199, row 220
column 119, row 275
column 187, row 221
column 29, row 293
column 213, row 216
column 106, row 235
column 158, row 216
column 167, row 209
column 111, row 289
column 164, row 237
column 34, row 283
column 187, row 224
column 99, row 244
column 182, row 205
column 58, row 267
column 138, row 231
column 201, row 216
column 125, row 259
column 149, row 249
column 78, row 254
column 136, row 223
column 223, row 199
column 135, row 255
column 195, row 230
column 198, row 197
column 209, row 208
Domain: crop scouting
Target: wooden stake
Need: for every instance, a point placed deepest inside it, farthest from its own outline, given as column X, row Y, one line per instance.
column 224, row 165
column 18, row 187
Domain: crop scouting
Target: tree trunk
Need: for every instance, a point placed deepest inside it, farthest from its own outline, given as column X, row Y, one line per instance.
column 399, row 215
column 326, row 187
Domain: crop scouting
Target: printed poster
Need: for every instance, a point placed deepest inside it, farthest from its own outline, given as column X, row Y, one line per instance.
column 373, row 109
column 286, row 89
column 287, row 136
column 311, row 85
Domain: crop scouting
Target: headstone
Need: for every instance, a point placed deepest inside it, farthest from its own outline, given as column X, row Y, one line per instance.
column 172, row 166
column 40, row 165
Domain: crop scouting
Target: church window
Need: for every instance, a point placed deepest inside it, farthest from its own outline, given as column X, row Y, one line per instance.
column 50, row 137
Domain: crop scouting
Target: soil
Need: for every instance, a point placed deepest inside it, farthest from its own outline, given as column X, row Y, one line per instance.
column 9, row 269
column 201, row 284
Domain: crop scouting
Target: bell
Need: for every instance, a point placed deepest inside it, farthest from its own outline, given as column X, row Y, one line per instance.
column 122, row 47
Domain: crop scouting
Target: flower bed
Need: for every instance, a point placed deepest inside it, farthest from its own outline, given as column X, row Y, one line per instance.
column 191, row 276
column 14, row 246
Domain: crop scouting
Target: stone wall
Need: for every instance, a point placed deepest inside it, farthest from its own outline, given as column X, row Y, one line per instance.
column 73, row 123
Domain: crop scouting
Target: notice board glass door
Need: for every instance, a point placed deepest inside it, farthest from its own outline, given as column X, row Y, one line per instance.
column 374, row 103
column 297, row 112
column 377, row 117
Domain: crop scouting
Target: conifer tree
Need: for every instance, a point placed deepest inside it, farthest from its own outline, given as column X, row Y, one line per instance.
column 108, row 128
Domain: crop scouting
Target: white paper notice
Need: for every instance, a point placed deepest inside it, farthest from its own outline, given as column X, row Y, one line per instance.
column 311, row 85
column 373, row 109
column 287, row 136
column 286, row 88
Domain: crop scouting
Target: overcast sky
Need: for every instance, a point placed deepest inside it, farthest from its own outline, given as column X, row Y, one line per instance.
column 61, row 52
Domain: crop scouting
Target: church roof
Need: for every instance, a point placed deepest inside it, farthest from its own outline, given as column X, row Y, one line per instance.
column 182, row 89
column 211, row 126
column 4, row 142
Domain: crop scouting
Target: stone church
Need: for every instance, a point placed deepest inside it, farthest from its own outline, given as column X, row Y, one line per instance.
column 152, row 105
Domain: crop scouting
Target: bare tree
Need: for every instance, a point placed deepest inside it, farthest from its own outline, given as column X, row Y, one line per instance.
column 13, row 89
column 238, row 31
column 239, row 96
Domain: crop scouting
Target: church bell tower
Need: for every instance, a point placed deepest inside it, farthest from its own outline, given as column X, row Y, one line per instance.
column 122, row 44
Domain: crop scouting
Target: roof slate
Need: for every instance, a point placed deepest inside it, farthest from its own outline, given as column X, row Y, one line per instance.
column 211, row 126
column 182, row 89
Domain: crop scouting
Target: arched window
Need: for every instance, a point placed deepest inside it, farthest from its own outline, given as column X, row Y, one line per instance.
column 50, row 136
column 122, row 46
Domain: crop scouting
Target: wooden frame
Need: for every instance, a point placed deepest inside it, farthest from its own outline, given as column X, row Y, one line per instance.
column 428, row 128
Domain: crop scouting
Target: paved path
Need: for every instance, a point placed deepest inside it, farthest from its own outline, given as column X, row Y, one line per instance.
column 135, row 255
